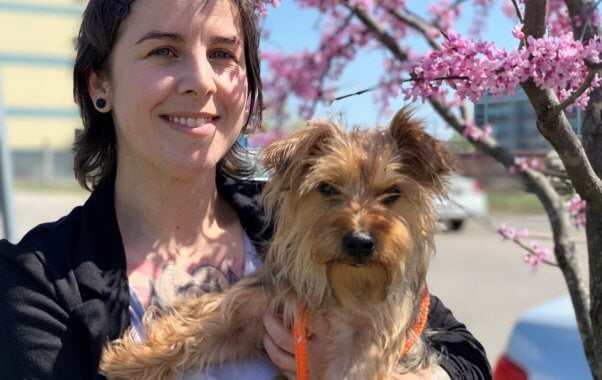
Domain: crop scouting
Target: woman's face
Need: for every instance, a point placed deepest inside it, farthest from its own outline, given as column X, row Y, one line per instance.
column 178, row 85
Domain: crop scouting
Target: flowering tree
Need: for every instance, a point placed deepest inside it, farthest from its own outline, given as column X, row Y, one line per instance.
column 557, row 62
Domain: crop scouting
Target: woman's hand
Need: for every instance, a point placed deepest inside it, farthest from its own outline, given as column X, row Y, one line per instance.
column 279, row 344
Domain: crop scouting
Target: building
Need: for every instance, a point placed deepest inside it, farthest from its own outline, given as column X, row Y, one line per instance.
column 514, row 122
column 37, row 111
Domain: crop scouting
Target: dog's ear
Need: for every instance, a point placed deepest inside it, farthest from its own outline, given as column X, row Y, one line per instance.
column 428, row 161
column 288, row 158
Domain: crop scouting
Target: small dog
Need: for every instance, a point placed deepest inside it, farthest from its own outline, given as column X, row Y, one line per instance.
column 353, row 233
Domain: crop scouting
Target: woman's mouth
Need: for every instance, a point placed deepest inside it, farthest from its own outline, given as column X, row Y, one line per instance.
column 200, row 126
column 190, row 122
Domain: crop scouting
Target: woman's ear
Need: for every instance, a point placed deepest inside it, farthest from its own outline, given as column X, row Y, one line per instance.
column 99, row 90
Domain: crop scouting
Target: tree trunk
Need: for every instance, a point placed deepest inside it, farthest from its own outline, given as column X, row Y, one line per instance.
column 592, row 142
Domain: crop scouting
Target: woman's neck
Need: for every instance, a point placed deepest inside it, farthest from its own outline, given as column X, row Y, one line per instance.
column 169, row 216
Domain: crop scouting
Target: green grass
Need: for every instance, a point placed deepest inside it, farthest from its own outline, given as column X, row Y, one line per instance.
column 514, row 203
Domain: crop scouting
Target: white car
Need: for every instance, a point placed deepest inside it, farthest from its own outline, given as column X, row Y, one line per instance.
column 467, row 198
column 545, row 344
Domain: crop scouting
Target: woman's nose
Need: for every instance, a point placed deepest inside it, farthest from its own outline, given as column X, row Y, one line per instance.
column 197, row 77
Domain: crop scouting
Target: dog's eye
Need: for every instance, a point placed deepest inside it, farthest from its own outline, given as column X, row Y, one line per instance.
column 327, row 189
column 391, row 195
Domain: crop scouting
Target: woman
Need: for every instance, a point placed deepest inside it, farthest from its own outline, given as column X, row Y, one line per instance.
column 165, row 88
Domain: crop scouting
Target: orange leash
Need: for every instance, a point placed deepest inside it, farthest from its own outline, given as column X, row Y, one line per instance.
column 420, row 321
column 300, row 334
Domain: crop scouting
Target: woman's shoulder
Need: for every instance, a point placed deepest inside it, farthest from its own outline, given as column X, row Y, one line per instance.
column 71, row 261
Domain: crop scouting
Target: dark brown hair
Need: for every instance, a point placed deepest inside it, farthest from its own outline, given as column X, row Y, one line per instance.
column 95, row 147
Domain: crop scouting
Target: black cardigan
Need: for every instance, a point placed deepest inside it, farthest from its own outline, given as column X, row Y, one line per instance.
column 64, row 293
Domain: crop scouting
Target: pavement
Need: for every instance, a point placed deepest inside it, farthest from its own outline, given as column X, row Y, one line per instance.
column 485, row 282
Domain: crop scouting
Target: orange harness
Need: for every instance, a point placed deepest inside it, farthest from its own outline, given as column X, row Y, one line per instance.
column 300, row 334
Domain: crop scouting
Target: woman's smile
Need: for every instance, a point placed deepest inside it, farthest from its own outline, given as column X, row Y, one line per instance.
column 197, row 125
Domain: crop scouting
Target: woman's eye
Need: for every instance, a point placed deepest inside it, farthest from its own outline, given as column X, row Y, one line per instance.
column 166, row 52
column 391, row 195
column 220, row 54
column 327, row 189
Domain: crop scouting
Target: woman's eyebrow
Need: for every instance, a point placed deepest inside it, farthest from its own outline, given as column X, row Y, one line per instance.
column 159, row 35
column 224, row 40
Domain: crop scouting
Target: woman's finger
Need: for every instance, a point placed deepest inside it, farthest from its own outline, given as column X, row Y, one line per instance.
column 282, row 359
column 278, row 332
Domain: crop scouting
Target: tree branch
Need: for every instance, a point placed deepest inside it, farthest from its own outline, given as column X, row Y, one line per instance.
column 577, row 93
column 581, row 10
column 453, row 5
column 379, row 32
column 589, row 20
column 535, row 18
column 360, row 92
column 517, row 9
column 554, row 125
column 487, row 223
column 417, row 23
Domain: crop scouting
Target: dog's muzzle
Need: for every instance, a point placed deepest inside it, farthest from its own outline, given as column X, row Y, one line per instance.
column 359, row 245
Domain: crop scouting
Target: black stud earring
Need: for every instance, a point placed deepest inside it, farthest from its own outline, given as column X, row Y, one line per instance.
column 101, row 103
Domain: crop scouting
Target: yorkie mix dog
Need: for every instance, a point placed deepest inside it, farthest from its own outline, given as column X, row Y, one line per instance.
column 353, row 233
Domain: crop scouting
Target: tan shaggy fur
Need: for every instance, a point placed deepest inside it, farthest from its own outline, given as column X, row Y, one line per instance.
column 325, row 184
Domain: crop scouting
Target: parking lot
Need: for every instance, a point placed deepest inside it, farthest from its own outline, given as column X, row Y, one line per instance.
column 485, row 282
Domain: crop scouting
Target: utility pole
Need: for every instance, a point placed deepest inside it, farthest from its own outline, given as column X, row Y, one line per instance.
column 6, row 174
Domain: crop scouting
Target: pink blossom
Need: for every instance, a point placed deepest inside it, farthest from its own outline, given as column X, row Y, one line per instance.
column 508, row 233
column 537, row 255
column 321, row 5
column 508, row 9
column 445, row 14
column 479, row 22
column 522, row 164
column 556, row 63
column 261, row 6
column 559, row 22
column 576, row 207
column 533, row 256
column 363, row 4
column 511, row 233
column 475, row 133
column 517, row 31
column 487, row 131
column 392, row 4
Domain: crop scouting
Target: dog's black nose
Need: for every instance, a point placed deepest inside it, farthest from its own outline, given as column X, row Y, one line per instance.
column 358, row 244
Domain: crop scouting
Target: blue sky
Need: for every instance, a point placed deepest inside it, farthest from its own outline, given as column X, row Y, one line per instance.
column 291, row 29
